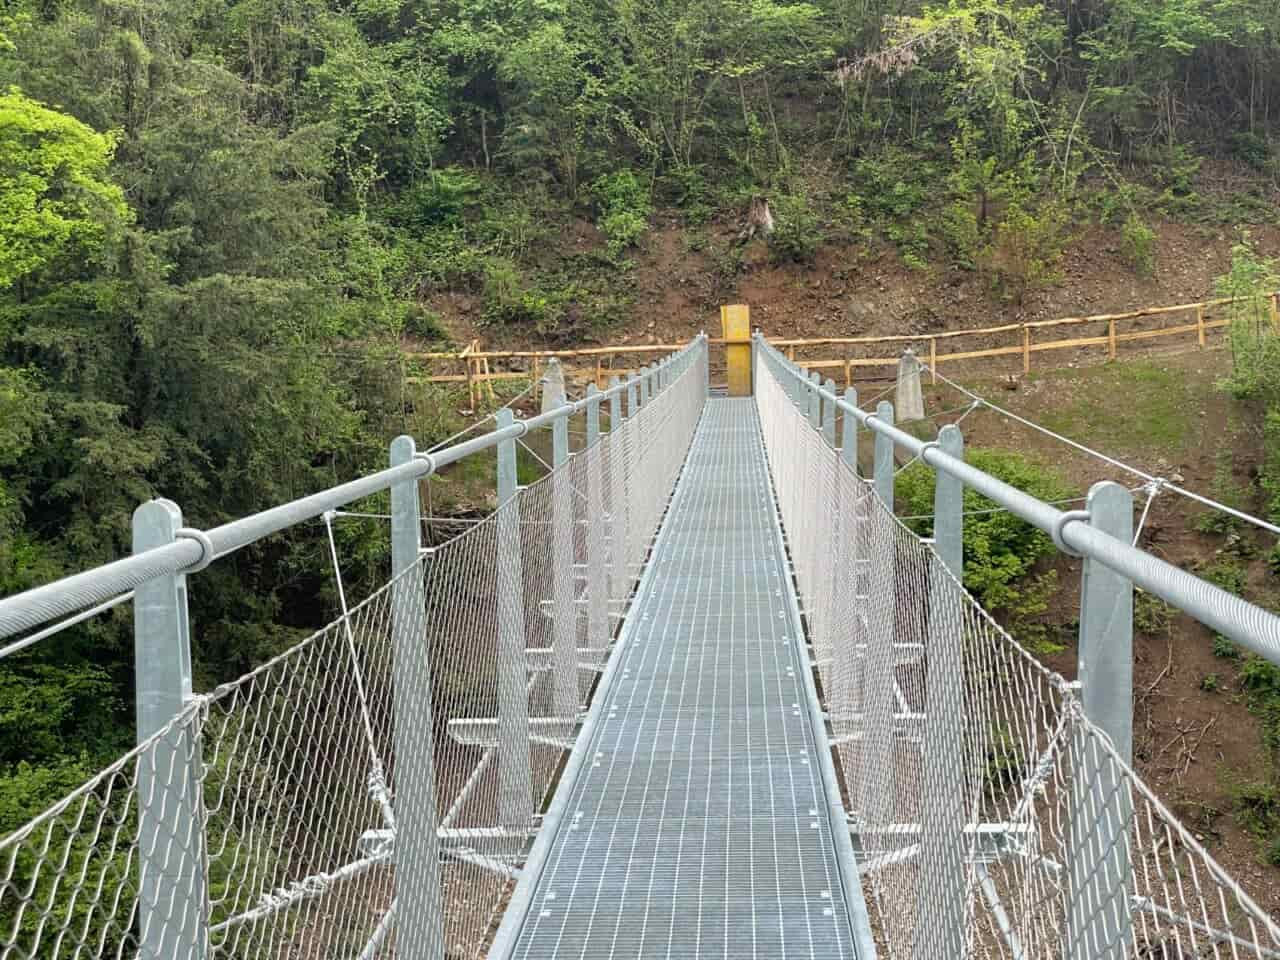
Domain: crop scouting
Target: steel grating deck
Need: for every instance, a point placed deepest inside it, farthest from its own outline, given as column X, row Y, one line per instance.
column 700, row 821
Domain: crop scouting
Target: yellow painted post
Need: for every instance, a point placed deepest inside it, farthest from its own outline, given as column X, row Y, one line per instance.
column 1111, row 338
column 933, row 360
column 736, row 321
column 1026, row 349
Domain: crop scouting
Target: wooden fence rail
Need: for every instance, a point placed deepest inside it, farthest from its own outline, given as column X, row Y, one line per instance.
column 1025, row 342
column 478, row 374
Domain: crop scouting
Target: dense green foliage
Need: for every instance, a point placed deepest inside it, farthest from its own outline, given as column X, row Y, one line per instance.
column 1001, row 552
column 219, row 216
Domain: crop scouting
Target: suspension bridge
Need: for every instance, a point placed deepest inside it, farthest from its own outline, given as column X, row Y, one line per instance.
column 694, row 693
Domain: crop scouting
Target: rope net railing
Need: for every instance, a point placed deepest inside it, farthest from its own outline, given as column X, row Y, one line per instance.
column 993, row 818
column 275, row 816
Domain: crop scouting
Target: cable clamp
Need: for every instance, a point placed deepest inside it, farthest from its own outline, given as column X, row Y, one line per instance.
column 930, row 445
column 1070, row 516
column 428, row 459
column 207, row 553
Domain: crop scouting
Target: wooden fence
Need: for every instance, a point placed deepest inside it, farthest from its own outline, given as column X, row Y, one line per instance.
column 478, row 368
column 1025, row 339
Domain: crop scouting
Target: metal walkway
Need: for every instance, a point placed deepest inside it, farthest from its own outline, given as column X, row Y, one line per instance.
column 701, row 819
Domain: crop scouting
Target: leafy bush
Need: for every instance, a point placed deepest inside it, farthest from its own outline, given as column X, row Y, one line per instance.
column 1000, row 550
column 1138, row 245
column 1270, row 473
column 1006, row 762
column 1150, row 613
column 686, row 186
column 1231, row 577
column 1225, row 491
column 1224, row 648
column 894, row 184
column 797, row 231
column 1174, row 167
column 1252, row 149
column 1027, row 249
column 1255, row 346
column 963, row 236
column 624, row 208
column 1257, row 808
column 423, row 323
column 507, row 300
column 1261, row 681
column 439, row 199
column 444, row 256
column 512, row 225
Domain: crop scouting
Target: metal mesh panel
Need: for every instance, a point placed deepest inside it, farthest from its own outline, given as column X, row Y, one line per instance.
column 262, row 822
column 993, row 818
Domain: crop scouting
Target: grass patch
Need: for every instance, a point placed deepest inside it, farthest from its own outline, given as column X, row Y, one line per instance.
column 1119, row 402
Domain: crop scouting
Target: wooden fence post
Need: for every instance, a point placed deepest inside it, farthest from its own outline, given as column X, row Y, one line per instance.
column 933, row 360
column 1200, row 323
column 1026, row 349
column 471, row 387
column 1111, row 338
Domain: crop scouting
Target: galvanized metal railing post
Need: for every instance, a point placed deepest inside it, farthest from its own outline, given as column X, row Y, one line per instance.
column 705, row 362
column 884, row 455
column 633, row 395
column 846, row 583
column 1099, row 917
column 173, row 915
column 849, row 432
column 564, row 616
column 941, row 924
column 948, row 505
column 597, row 566
column 828, row 543
column 420, row 907
column 877, row 549
column 815, row 400
column 646, row 385
column 619, row 581
column 515, row 777
column 829, row 416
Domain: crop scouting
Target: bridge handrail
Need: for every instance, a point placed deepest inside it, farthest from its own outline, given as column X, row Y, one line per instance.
column 1245, row 623
column 196, row 549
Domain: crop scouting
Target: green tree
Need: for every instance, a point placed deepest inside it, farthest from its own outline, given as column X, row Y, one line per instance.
column 55, row 193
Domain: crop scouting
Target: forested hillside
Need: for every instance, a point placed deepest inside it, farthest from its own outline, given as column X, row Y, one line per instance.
column 220, row 218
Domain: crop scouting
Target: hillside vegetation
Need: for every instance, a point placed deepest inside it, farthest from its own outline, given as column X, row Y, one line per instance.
column 221, row 218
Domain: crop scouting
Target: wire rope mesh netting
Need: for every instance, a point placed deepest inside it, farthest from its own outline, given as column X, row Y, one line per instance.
column 993, row 819
column 261, row 822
